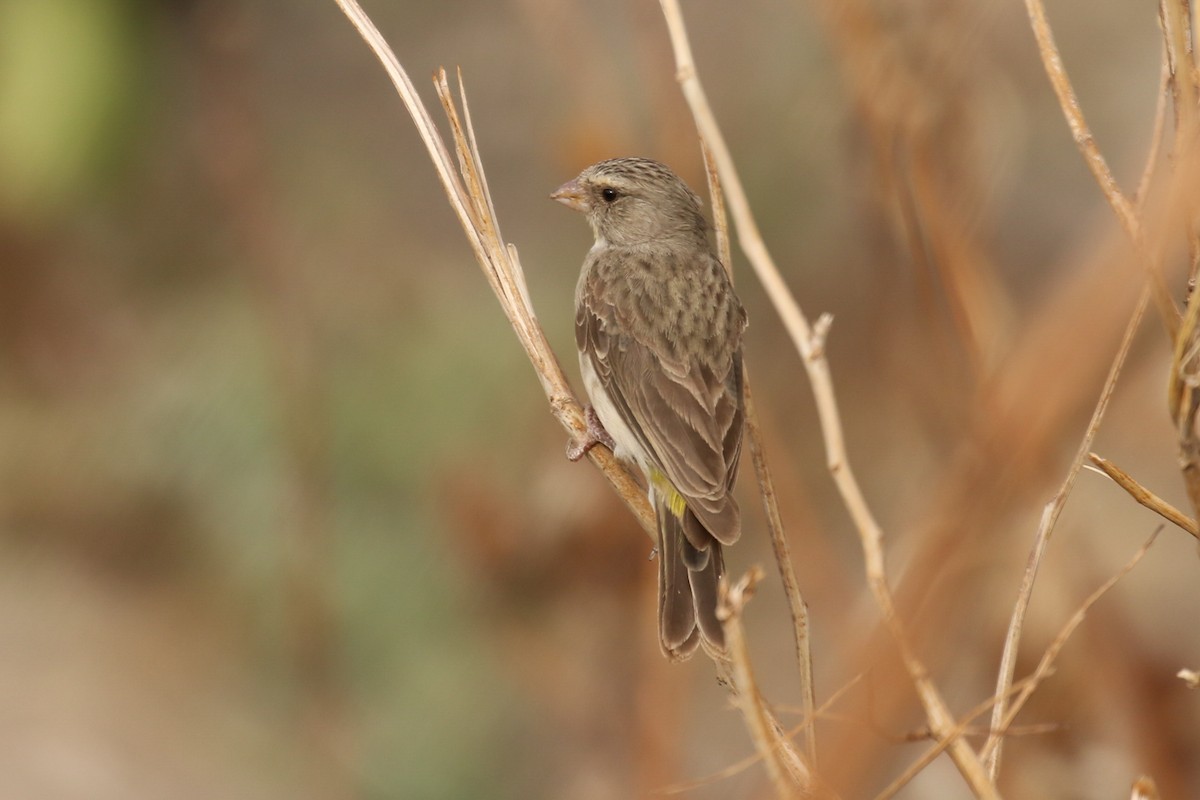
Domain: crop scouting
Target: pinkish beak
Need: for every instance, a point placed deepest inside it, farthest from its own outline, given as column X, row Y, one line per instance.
column 571, row 195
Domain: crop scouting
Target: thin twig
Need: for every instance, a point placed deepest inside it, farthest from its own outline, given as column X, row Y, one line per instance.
column 1156, row 137
column 741, row 766
column 1146, row 497
column 1046, row 665
column 809, row 342
column 1175, row 17
column 938, row 748
column 1126, row 214
column 1008, row 660
column 788, row 773
column 797, row 607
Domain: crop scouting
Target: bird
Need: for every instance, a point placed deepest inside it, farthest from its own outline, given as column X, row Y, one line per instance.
column 659, row 330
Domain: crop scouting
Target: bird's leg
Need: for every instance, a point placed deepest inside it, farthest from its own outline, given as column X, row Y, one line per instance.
column 577, row 449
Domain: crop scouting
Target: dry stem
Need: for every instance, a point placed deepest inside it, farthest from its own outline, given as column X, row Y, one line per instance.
column 466, row 189
column 1008, row 660
column 1024, row 688
column 810, row 344
column 788, row 772
column 1046, row 665
column 927, row 758
column 749, row 761
column 783, row 558
column 1146, row 497
column 1054, row 509
column 1125, row 211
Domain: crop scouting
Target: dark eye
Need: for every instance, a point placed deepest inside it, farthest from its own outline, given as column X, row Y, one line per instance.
column 609, row 194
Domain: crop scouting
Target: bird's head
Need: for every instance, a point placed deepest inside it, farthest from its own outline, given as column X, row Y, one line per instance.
column 634, row 200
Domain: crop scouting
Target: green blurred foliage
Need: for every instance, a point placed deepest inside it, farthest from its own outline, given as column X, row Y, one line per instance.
column 70, row 75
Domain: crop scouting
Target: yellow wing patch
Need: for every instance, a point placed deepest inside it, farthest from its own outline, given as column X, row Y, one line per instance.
column 675, row 501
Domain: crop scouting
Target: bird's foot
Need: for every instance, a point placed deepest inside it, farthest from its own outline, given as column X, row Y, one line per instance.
column 596, row 434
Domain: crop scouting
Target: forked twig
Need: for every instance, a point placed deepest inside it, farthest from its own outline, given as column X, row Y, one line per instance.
column 927, row 758
column 750, row 760
column 809, row 342
column 766, row 487
column 1046, row 664
column 1024, row 688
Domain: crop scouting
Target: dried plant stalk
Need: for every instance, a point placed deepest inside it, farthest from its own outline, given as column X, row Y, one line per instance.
column 1183, row 396
column 1046, row 665
column 809, row 342
column 766, row 487
column 749, row 761
column 1024, row 688
column 466, row 189
column 1008, row 658
column 1146, row 497
column 788, row 772
column 1126, row 213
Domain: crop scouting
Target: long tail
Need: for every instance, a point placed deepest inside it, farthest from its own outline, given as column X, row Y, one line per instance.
column 687, row 589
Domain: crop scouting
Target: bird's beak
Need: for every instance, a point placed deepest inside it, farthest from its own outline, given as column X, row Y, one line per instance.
column 571, row 195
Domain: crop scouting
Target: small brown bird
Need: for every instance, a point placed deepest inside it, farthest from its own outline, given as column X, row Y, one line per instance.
column 659, row 331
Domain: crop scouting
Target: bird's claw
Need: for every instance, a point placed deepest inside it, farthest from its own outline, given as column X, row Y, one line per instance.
column 596, row 434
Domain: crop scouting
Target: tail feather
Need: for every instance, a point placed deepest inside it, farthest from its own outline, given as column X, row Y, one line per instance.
column 705, row 585
column 687, row 589
column 676, row 608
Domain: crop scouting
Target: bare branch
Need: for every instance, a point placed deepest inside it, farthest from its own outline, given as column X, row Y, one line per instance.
column 1146, row 497
column 1046, row 665
column 783, row 558
column 466, row 189
column 809, row 344
column 1126, row 213
column 788, row 773
column 749, row 761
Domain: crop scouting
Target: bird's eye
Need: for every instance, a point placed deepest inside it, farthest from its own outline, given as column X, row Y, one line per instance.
column 609, row 194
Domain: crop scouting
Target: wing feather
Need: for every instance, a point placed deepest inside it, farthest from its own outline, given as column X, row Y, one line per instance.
column 683, row 406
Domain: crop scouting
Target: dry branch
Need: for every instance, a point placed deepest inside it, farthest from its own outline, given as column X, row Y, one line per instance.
column 766, row 487
column 1008, row 659
column 1146, row 497
column 740, row 766
column 466, row 188
column 1046, row 665
column 809, row 342
column 788, row 772
column 1127, row 215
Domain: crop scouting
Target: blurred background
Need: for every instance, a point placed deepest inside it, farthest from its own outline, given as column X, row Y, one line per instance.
column 283, row 513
